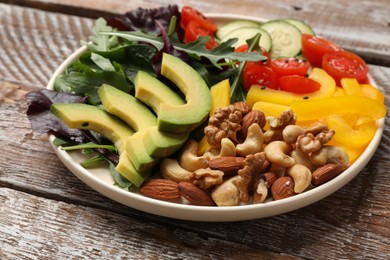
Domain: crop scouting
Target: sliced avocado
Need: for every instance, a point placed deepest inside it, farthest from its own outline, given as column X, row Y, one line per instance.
column 138, row 154
column 162, row 144
column 88, row 117
column 83, row 116
column 183, row 118
column 126, row 107
column 127, row 170
column 153, row 92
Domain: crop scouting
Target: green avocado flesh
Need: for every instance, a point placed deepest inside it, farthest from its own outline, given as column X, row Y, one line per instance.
column 138, row 154
column 126, row 107
column 162, row 144
column 183, row 118
column 126, row 168
column 82, row 116
column 153, row 92
column 88, row 117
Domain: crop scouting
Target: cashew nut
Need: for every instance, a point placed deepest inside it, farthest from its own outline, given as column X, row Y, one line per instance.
column 291, row 132
column 227, row 193
column 302, row 158
column 261, row 192
column 301, row 175
column 253, row 142
column 277, row 152
column 330, row 154
column 171, row 169
column 190, row 160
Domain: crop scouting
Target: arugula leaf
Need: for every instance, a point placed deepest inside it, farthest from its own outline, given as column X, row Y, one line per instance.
column 237, row 92
column 196, row 48
column 99, row 42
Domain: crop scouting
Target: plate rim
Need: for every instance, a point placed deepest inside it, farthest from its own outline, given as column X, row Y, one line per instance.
column 212, row 214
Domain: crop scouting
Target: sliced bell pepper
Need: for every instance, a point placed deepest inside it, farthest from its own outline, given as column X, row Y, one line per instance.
column 351, row 135
column 351, row 87
column 258, row 93
column 372, row 92
column 322, row 108
column 220, row 97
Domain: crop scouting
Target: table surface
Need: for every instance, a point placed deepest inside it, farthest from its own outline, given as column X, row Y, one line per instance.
column 47, row 213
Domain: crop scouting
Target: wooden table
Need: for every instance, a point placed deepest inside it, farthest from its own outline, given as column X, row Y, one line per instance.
column 47, row 213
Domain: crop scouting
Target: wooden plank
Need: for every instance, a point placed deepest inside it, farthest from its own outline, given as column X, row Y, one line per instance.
column 362, row 30
column 34, row 228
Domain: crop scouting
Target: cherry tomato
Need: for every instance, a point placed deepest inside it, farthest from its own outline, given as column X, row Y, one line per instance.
column 345, row 64
column 290, row 66
column 259, row 74
column 244, row 48
column 298, row 84
column 194, row 30
column 189, row 14
column 313, row 48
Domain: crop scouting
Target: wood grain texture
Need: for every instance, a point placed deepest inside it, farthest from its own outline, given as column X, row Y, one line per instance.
column 47, row 213
column 362, row 26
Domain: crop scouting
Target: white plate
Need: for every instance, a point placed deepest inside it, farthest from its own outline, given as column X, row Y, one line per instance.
column 101, row 180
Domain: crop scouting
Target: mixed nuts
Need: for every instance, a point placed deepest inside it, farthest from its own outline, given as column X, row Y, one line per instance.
column 248, row 161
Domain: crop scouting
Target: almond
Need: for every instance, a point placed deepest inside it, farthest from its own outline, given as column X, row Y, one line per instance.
column 195, row 195
column 326, row 173
column 253, row 117
column 283, row 188
column 270, row 178
column 161, row 189
column 228, row 164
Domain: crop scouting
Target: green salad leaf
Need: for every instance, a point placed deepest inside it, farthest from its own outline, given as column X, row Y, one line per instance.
column 195, row 49
column 98, row 42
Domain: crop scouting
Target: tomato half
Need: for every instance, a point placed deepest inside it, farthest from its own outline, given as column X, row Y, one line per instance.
column 189, row 14
column 345, row 64
column 298, row 84
column 244, row 48
column 290, row 66
column 194, row 30
column 259, row 74
column 314, row 48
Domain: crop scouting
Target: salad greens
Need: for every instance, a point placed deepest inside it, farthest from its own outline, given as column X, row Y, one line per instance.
column 116, row 50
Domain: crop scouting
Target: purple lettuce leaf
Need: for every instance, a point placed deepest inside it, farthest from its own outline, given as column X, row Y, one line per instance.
column 42, row 121
column 142, row 19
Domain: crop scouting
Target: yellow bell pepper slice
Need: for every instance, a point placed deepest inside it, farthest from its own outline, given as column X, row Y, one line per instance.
column 372, row 92
column 322, row 108
column 351, row 135
column 220, row 97
column 258, row 93
column 351, row 87
column 339, row 92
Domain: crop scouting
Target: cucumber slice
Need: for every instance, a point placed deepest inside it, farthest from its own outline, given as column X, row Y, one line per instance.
column 223, row 30
column 286, row 38
column 301, row 25
column 246, row 33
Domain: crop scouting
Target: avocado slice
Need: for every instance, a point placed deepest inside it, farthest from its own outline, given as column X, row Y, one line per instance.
column 126, row 107
column 88, row 117
column 162, row 144
column 153, row 92
column 126, row 168
column 139, row 156
column 183, row 118
column 83, row 116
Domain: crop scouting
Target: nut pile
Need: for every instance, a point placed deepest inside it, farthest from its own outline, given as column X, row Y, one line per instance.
column 245, row 163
